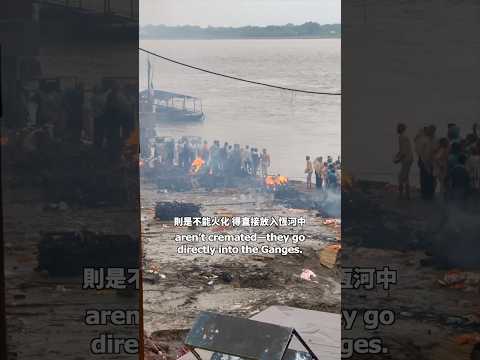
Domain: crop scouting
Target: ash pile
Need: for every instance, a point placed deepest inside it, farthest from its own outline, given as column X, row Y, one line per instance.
column 456, row 243
column 168, row 177
column 326, row 203
column 179, row 179
column 448, row 236
column 167, row 211
column 371, row 222
column 68, row 253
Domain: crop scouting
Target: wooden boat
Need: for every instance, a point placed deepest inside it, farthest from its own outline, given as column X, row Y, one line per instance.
column 164, row 106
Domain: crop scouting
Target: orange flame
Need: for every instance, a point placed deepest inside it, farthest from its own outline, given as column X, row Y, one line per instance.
column 197, row 164
column 282, row 180
column 272, row 181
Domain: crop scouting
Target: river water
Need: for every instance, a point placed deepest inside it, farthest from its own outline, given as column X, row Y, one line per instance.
column 289, row 125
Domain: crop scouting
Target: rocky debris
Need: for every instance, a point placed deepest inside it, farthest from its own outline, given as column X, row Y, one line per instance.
column 153, row 351
column 456, row 279
column 270, row 281
column 329, row 255
column 152, row 276
column 165, row 345
column 235, row 273
column 237, row 285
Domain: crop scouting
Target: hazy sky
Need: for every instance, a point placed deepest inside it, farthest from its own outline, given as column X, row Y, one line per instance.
column 238, row 12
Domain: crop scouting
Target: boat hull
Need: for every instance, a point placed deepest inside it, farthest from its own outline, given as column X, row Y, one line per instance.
column 159, row 117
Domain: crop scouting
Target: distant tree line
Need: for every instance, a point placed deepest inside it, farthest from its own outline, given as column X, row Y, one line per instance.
column 307, row 30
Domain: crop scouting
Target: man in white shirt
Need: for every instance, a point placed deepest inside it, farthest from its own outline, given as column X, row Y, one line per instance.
column 405, row 158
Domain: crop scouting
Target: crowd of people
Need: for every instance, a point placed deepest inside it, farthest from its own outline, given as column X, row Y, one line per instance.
column 449, row 165
column 104, row 115
column 231, row 160
column 226, row 159
column 327, row 173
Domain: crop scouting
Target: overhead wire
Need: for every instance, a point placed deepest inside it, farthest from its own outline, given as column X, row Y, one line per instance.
column 295, row 90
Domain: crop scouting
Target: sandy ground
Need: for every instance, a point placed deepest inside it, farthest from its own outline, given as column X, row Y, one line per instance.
column 45, row 316
column 190, row 284
column 429, row 316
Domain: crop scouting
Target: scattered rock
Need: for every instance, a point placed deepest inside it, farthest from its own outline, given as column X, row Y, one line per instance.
column 329, row 255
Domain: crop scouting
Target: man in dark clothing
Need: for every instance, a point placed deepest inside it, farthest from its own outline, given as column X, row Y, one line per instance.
column 170, row 152
column 223, row 157
column 114, row 118
column 235, row 160
column 332, row 177
column 460, row 181
column 255, row 161
column 98, row 105
column 74, row 99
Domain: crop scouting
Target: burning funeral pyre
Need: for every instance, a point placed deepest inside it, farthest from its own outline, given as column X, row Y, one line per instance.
column 197, row 164
column 275, row 182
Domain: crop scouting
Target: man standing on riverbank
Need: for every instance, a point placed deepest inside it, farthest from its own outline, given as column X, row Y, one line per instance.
column 405, row 158
column 265, row 160
column 317, row 165
column 309, row 171
column 425, row 148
